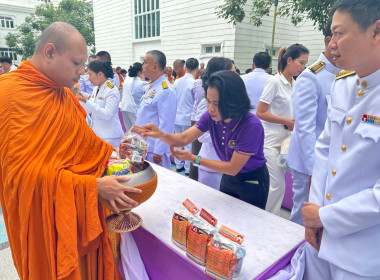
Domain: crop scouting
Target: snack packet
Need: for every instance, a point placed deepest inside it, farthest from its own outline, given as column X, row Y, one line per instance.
column 119, row 167
column 224, row 256
column 200, row 234
column 181, row 221
column 133, row 147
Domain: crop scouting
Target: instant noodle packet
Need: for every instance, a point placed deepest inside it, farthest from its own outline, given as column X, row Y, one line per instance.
column 224, row 256
column 119, row 167
column 200, row 234
column 133, row 147
column 181, row 221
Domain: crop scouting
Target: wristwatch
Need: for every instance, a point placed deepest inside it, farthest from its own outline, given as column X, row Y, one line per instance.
column 197, row 161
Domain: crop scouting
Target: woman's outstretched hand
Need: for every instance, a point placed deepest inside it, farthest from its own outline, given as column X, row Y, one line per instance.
column 152, row 131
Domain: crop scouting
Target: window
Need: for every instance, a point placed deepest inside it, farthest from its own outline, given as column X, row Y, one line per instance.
column 275, row 51
column 212, row 49
column 147, row 18
column 9, row 53
column 7, row 22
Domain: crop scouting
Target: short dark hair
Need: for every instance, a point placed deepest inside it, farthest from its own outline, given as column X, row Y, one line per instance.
column 248, row 70
column 92, row 56
column 233, row 98
column 123, row 71
column 327, row 30
column 262, row 60
column 135, row 69
column 294, row 51
column 363, row 12
column 192, row 64
column 5, row 59
column 215, row 64
column 104, row 56
column 104, row 67
column 159, row 57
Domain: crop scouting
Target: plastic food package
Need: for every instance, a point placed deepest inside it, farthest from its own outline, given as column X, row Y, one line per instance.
column 181, row 221
column 119, row 167
column 225, row 256
column 133, row 147
column 200, row 234
column 282, row 158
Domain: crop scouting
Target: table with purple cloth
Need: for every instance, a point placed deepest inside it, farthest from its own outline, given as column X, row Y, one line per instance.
column 270, row 240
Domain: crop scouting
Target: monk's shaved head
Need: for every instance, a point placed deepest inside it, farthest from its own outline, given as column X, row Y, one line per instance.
column 59, row 34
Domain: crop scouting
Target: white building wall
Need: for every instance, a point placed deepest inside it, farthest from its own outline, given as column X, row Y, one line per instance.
column 187, row 25
column 17, row 10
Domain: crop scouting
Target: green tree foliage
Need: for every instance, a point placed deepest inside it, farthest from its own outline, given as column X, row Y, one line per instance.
column 297, row 10
column 76, row 12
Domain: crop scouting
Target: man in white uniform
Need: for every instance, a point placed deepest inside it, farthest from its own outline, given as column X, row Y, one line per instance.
column 342, row 219
column 158, row 105
column 185, row 100
column 256, row 80
column 310, row 99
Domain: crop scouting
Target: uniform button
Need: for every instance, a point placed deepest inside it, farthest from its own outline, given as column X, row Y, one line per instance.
column 222, row 137
column 344, row 148
column 364, row 84
column 361, row 92
column 222, row 143
column 357, row 82
column 328, row 196
column 224, row 132
column 348, row 121
column 333, row 172
column 335, row 71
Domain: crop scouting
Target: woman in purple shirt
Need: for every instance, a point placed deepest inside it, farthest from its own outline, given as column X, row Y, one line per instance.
column 237, row 136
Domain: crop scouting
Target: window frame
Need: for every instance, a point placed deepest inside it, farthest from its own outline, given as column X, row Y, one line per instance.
column 146, row 22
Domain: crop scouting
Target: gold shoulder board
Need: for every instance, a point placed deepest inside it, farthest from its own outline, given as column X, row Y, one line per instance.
column 109, row 84
column 164, row 85
column 344, row 73
column 317, row 67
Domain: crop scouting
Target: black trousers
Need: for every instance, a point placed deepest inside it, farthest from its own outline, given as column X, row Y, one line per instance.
column 195, row 148
column 251, row 187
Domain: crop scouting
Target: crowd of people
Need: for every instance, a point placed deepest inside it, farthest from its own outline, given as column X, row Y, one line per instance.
column 222, row 129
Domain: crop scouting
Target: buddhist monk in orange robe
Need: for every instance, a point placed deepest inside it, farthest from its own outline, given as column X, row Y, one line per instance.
column 51, row 166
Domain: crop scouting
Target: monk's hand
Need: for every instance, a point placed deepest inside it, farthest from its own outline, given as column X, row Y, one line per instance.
column 81, row 97
column 182, row 155
column 157, row 158
column 113, row 192
column 152, row 131
column 310, row 215
column 314, row 237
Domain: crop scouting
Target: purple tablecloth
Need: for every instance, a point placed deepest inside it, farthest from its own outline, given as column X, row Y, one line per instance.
column 162, row 262
column 287, row 202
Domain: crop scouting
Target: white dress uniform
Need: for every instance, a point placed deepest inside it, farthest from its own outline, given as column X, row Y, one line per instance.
column 127, row 104
column 254, row 83
column 310, row 99
column 346, row 182
column 185, row 101
column 158, row 105
column 278, row 94
column 103, row 110
column 207, row 176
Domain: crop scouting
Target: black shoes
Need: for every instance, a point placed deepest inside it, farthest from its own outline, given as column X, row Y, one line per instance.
column 180, row 169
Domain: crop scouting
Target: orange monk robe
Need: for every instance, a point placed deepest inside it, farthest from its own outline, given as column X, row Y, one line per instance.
column 49, row 161
column 121, row 80
column 179, row 76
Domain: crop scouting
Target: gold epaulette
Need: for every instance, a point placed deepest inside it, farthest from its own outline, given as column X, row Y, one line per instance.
column 344, row 73
column 317, row 67
column 164, row 85
column 109, row 84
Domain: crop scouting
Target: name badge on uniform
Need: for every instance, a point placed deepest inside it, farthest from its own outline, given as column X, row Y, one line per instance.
column 370, row 119
column 101, row 97
column 232, row 144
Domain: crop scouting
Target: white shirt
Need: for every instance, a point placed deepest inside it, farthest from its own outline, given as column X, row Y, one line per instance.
column 346, row 177
column 185, row 99
column 311, row 95
column 127, row 103
column 13, row 67
column 103, row 108
column 254, row 83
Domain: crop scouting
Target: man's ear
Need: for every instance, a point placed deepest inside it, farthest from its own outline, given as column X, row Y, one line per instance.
column 49, row 51
column 376, row 32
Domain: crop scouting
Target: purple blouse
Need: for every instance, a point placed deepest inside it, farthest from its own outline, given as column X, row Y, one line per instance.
column 244, row 136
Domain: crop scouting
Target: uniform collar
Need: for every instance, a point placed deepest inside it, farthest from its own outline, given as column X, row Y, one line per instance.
column 368, row 82
column 329, row 66
column 284, row 80
column 189, row 75
column 159, row 80
column 259, row 70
